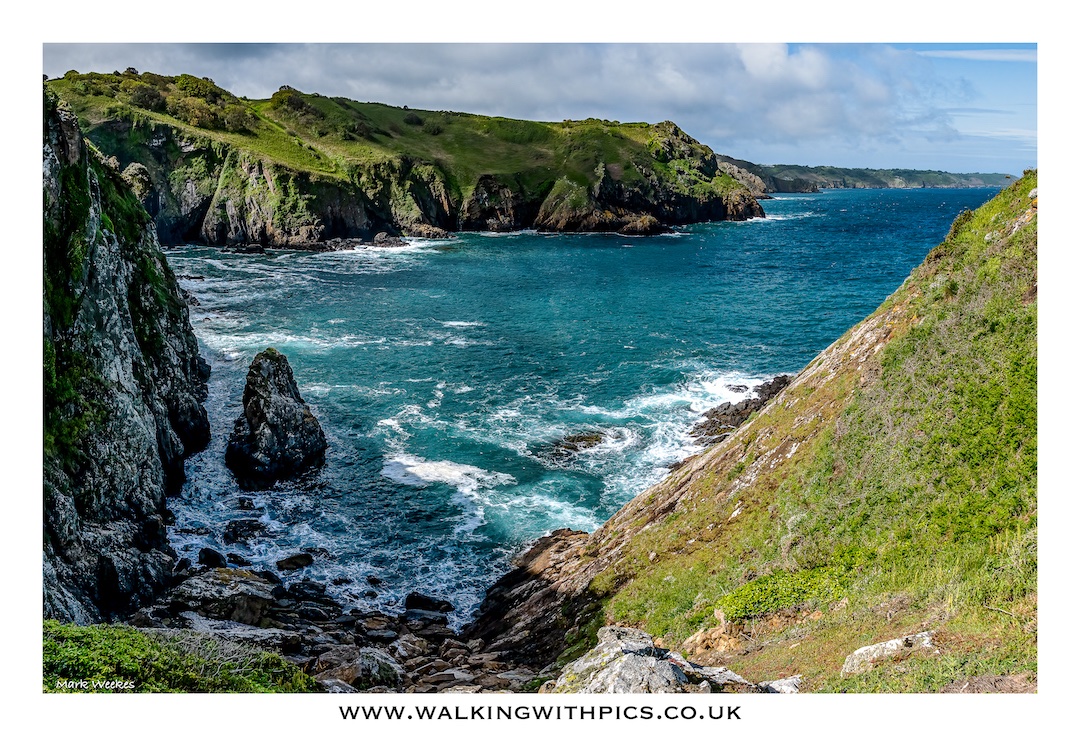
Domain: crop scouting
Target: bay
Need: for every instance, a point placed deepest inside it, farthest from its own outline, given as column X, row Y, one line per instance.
column 445, row 373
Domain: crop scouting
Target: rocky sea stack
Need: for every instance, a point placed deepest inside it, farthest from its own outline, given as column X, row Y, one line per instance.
column 276, row 436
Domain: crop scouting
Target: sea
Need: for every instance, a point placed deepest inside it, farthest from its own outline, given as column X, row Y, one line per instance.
column 447, row 375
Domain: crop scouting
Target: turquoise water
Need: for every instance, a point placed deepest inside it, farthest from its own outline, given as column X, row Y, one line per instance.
column 443, row 371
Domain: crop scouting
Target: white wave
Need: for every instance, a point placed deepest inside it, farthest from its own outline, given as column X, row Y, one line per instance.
column 411, row 470
column 462, row 325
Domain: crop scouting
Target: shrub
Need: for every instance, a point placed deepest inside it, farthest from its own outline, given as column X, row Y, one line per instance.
column 166, row 661
column 782, row 589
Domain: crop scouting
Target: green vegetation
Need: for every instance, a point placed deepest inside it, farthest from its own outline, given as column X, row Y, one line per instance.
column 391, row 155
column 782, row 589
column 158, row 662
column 788, row 177
column 908, row 490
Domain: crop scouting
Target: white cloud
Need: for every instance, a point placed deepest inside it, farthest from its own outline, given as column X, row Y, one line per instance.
column 735, row 97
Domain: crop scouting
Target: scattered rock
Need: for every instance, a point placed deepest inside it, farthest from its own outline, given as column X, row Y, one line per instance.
column 211, row 558
column 276, row 436
column 419, row 602
column 863, row 660
column 294, row 562
column 241, row 530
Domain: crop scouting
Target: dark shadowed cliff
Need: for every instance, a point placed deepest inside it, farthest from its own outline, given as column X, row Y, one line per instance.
column 123, row 385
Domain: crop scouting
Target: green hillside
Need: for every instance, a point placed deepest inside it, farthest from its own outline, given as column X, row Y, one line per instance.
column 889, row 490
column 796, row 178
column 405, row 168
column 914, row 501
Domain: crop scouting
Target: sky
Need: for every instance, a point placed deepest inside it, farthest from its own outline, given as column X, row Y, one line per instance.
column 955, row 107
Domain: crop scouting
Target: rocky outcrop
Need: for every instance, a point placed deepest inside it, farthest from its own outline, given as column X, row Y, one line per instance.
column 722, row 420
column 627, row 661
column 862, row 660
column 123, row 386
column 276, row 436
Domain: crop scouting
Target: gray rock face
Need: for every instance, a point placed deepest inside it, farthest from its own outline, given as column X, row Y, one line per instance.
column 124, row 386
column 277, row 436
column 626, row 661
column 862, row 660
column 359, row 667
column 224, row 594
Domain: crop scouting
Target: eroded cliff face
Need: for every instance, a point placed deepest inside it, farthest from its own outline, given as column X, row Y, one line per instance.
column 123, row 386
column 198, row 189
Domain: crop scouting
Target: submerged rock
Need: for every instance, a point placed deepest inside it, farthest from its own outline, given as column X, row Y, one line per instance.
column 277, row 436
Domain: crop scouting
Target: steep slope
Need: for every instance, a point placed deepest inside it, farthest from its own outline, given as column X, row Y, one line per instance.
column 123, row 385
column 889, row 489
column 300, row 169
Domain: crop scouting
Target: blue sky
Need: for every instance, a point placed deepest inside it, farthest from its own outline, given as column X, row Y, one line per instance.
column 956, row 107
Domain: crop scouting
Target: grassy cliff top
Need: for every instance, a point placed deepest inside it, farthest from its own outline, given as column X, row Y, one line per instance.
column 340, row 138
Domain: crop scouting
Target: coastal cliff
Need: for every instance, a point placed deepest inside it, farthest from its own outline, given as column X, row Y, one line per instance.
column 886, row 493
column 123, row 385
column 764, row 180
column 299, row 170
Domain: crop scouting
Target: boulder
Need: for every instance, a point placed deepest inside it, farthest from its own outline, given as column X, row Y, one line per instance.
column 276, row 436
column 420, row 602
column 863, row 660
column 211, row 558
column 626, row 661
column 224, row 594
column 295, row 562
column 359, row 667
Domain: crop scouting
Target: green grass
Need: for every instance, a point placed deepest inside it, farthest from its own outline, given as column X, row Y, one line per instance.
column 911, row 491
column 344, row 140
column 160, row 662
